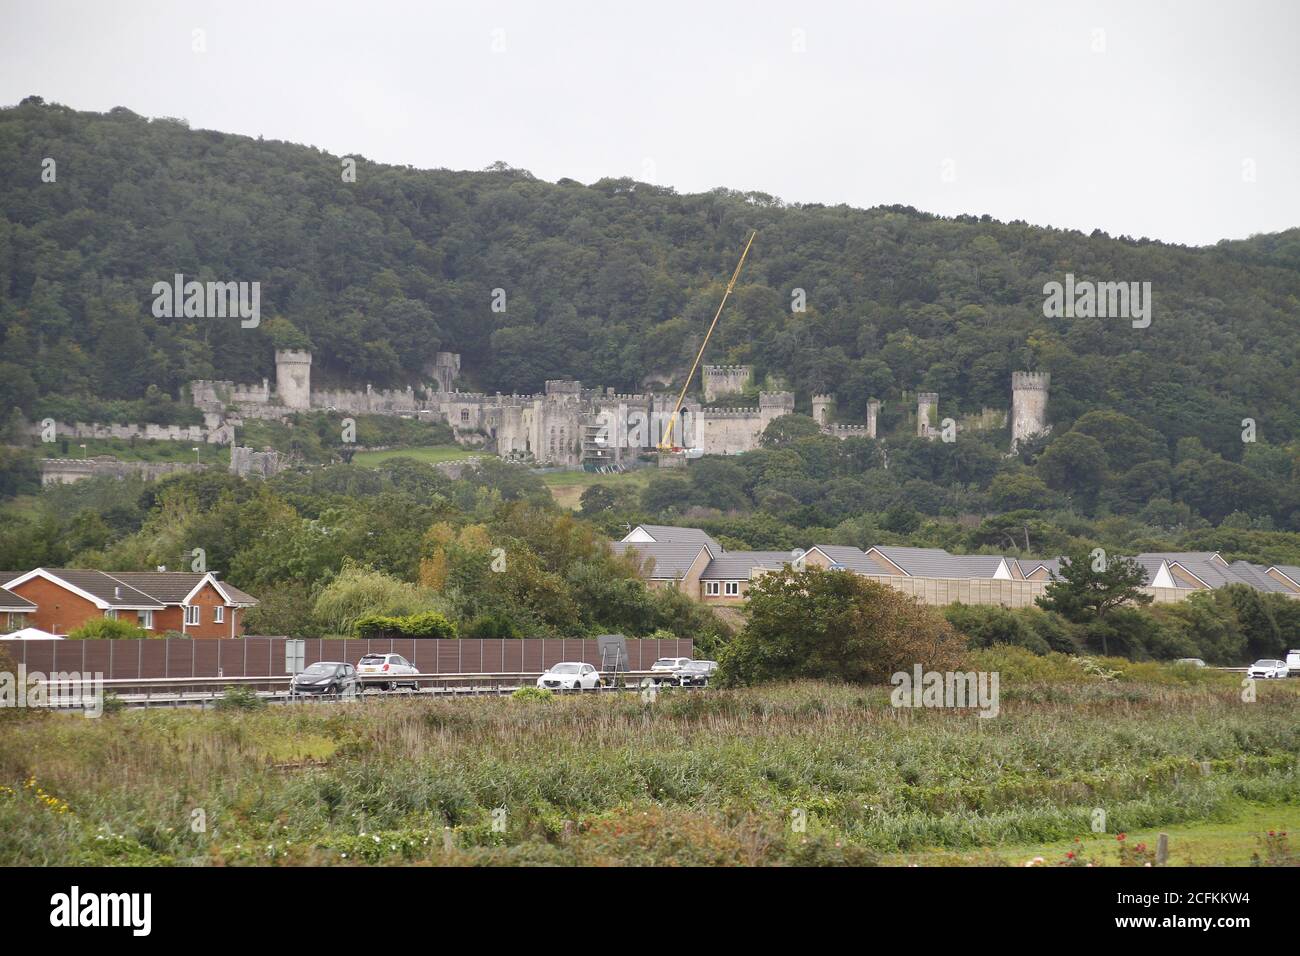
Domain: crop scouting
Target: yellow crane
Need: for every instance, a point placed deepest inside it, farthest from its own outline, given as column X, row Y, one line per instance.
column 666, row 443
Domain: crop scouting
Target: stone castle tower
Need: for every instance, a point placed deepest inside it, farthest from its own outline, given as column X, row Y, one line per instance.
column 927, row 407
column 873, row 415
column 823, row 409
column 722, row 380
column 1029, row 405
column 293, row 378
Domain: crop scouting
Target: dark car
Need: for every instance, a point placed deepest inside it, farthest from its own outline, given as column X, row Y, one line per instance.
column 327, row 677
column 695, row 673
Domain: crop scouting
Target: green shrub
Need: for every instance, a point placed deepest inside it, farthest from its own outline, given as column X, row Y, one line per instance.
column 240, row 698
column 493, row 627
column 986, row 625
column 358, row 593
column 429, row 624
column 532, row 693
column 107, row 629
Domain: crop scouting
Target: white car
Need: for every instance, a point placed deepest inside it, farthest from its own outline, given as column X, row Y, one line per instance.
column 668, row 667
column 392, row 666
column 570, row 675
column 1267, row 669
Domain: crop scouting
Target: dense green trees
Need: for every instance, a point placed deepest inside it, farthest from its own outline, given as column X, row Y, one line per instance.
column 607, row 283
column 837, row 625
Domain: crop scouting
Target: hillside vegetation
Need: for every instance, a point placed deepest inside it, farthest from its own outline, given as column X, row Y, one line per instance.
column 608, row 283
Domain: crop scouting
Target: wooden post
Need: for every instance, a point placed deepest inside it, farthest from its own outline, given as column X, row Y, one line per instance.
column 1162, row 848
column 568, row 829
column 448, row 840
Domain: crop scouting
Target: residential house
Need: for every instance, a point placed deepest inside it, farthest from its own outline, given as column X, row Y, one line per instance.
column 194, row 604
column 14, row 611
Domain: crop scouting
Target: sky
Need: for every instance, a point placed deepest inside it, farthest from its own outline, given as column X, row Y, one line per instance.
column 1170, row 119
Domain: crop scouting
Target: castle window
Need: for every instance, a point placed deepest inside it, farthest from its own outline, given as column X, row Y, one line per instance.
column 464, row 414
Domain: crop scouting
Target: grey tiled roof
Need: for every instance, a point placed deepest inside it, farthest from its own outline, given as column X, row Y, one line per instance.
column 1253, row 574
column 671, row 560
column 854, row 559
column 12, row 602
column 671, row 534
column 1290, row 570
column 172, row 587
column 938, row 563
column 1029, row 565
column 106, row 588
column 736, row 565
column 1203, row 564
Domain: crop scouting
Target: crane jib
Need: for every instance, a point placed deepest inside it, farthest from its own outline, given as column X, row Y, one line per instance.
column 666, row 444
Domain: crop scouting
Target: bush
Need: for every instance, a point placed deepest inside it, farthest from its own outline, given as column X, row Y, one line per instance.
column 835, row 625
column 358, row 593
column 240, row 698
column 532, row 693
column 107, row 629
column 984, row 626
column 429, row 624
column 493, row 627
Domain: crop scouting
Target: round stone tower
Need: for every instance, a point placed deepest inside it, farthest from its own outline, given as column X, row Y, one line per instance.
column 823, row 409
column 873, row 414
column 927, row 407
column 1028, row 405
column 293, row 378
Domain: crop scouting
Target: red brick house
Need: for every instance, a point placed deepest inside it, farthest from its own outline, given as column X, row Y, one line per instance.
column 197, row 605
column 13, row 611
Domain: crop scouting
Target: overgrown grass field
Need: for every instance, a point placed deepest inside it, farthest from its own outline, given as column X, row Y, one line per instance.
column 806, row 773
column 567, row 486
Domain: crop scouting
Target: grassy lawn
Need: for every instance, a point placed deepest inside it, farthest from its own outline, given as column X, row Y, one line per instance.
column 713, row 778
column 430, row 454
column 1232, row 842
column 567, row 486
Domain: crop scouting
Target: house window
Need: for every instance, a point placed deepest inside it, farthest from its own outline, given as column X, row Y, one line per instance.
column 218, row 614
column 146, row 620
column 733, row 588
column 711, row 588
column 192, row 612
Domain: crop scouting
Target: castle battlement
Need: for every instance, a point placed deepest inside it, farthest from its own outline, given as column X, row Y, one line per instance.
column 1034, row 380
column 548, row 426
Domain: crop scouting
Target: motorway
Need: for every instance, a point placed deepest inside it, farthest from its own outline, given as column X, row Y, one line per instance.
column 205, row 692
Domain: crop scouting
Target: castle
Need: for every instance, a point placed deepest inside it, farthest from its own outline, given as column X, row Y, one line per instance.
column 569, row 426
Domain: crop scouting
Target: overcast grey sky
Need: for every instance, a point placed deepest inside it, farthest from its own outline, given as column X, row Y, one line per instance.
column 1166, row 118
